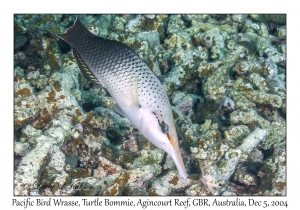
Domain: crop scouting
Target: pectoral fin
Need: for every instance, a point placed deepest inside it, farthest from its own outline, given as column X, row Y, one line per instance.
column 119, row 110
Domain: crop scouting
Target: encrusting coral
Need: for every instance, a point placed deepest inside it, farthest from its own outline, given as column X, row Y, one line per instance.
column 225, row 78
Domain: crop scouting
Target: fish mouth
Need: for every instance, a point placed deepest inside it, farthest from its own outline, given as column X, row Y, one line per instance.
column 176, row 156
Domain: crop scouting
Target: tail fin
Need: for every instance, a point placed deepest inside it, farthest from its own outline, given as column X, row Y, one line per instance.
column 75, row 33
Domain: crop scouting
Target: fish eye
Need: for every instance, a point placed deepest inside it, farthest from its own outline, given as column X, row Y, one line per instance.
column 164, row 127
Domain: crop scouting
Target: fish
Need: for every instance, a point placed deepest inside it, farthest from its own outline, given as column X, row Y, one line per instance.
column 138, row 93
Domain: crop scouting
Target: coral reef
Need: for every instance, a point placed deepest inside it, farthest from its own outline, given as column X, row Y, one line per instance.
column 225, row 78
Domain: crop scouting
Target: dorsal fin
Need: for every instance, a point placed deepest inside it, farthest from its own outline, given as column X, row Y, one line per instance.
column 84, row 68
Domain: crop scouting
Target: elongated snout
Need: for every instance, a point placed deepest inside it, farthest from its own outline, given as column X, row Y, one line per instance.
column 177, row 158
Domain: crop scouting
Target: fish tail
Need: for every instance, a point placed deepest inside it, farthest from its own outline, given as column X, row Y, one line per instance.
column 76, row 33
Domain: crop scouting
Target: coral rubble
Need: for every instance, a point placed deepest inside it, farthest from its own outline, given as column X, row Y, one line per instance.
column 225, row 78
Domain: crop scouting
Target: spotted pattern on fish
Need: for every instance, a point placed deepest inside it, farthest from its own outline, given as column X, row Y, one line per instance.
column 135, row 88
column 118, row 69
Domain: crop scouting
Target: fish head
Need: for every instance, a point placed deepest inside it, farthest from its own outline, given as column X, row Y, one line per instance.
column 161, row 131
